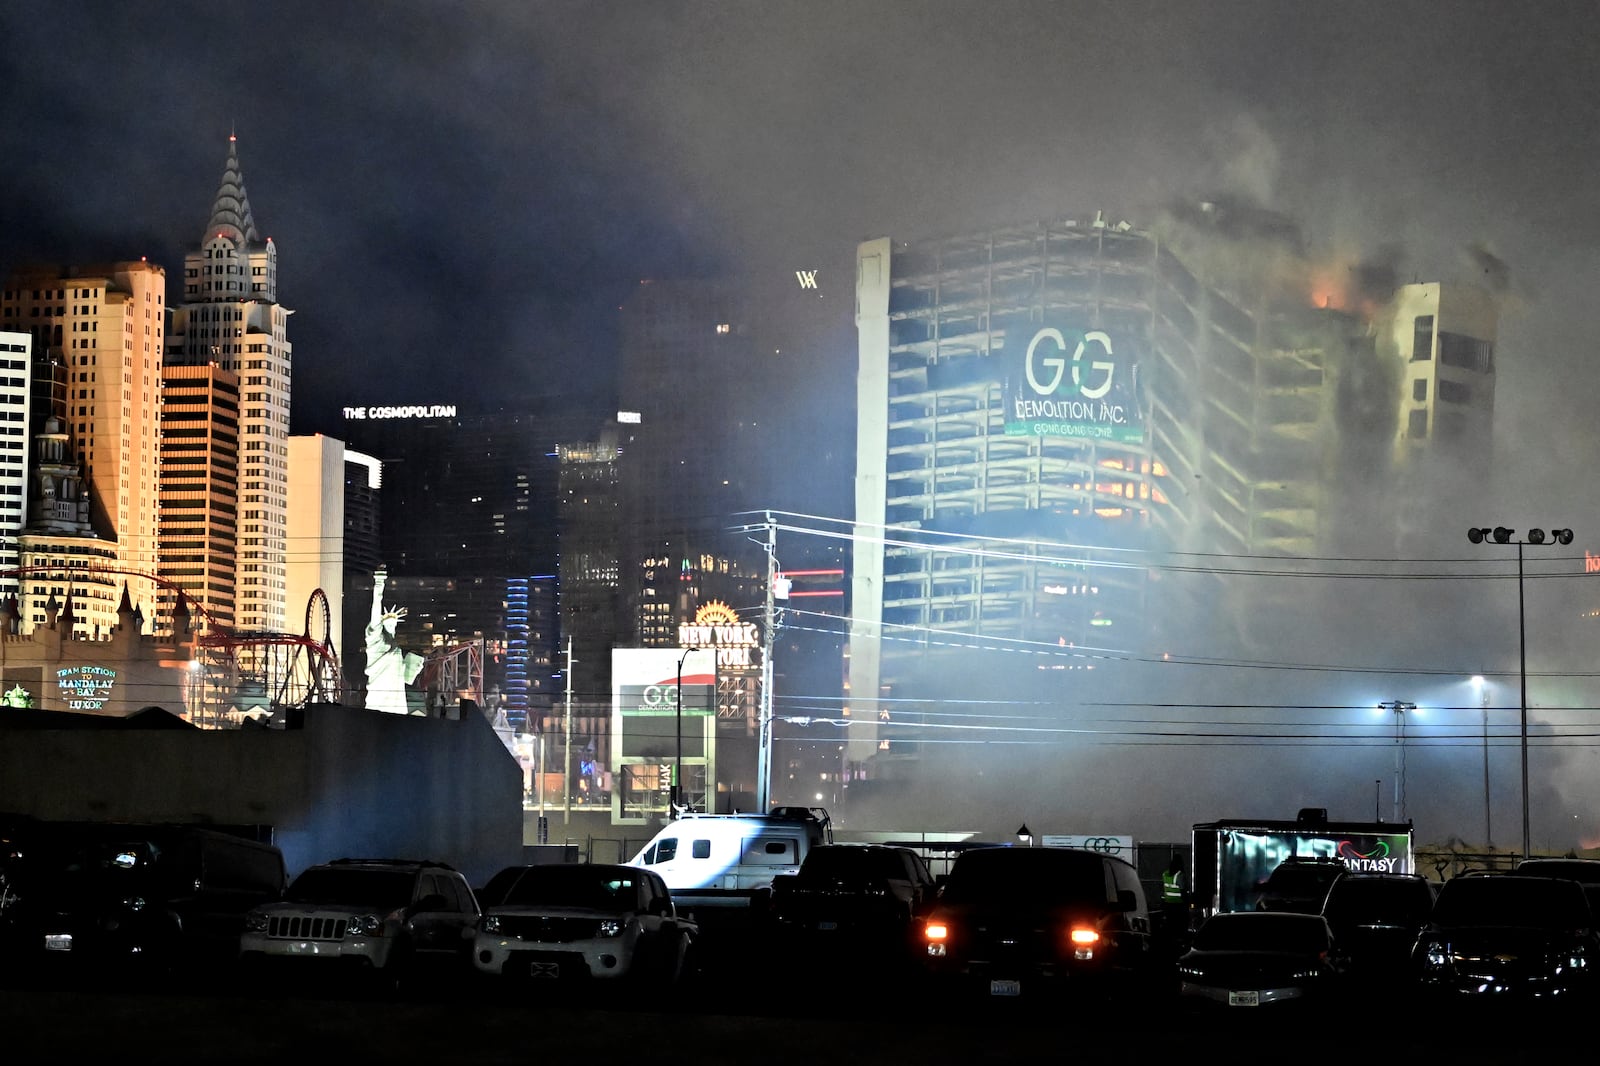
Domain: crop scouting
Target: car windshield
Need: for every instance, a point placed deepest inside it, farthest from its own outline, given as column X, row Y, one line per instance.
column 353, row 887
column 1295, row 879
column 1506, row 900
column 1575, row 869
column 1378, row 901
column 583, row 887
column 1030, row 876
column 79, row 862
column 1262, row 931
column 844, row 861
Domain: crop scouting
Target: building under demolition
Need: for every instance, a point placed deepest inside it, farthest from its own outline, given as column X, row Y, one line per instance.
column 1046, row 410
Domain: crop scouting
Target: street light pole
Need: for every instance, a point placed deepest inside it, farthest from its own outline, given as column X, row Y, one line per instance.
column 677, row 767
column 1483, row 693
column 1399, row 707
column 1502, row 535
column 764, row 717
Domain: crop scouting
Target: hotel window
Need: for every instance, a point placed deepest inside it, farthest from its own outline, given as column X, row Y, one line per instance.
column 1422, row 339
column 1419, row 390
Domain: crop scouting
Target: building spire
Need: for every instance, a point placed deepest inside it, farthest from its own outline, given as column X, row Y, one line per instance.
column 230, row 211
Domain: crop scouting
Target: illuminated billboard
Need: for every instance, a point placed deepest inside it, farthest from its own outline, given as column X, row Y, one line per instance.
column 663, row 706
column 1070, row 382
column 85, row 688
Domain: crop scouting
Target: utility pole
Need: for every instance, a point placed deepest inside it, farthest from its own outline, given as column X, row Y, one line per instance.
column 764, row 716
column 566, row 771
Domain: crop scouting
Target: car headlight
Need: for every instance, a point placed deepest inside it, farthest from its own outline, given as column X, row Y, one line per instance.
column 491, row 924
column 1574, row 957
column 134, row 903
column 255, row 922
column 365, row 925
column 1435, row 954
column 612, row 926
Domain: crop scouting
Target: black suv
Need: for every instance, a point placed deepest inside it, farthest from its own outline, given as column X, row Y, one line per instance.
column 1375, row 918
column 861, row 895
column 90, row 898
column 1508, row 938
column 1298, row 884
column 1018, row 921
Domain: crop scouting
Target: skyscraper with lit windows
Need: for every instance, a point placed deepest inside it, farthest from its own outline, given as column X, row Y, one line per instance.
column 106, row 326
column 230, row 316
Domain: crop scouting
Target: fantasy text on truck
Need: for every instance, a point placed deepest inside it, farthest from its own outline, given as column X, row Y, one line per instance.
column 1234, row 858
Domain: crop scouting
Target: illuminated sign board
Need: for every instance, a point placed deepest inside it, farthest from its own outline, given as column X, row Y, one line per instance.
column 85, row 688
column 628, row 418
column 418, row 410
column 1072, row 383
column 717, row 626
column 1245, row 858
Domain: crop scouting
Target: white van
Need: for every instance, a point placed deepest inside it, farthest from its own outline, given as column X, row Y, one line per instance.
column 729, row 860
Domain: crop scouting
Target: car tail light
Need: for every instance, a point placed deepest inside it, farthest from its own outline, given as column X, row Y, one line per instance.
column 936, row 931
column 1084, row 939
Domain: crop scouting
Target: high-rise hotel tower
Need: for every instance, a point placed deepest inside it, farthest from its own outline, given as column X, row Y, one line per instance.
column 230, row 317
column 93, row 501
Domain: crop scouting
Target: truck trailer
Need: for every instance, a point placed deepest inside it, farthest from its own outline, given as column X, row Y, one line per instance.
column 1232, row 858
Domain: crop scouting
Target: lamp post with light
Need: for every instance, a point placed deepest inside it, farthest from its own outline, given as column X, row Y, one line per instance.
column 1399, row 707
column 677, row 711
column 1483, row 698
column 1502, row 535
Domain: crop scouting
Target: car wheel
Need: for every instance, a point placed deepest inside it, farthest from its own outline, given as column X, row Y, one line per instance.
column 397, row 977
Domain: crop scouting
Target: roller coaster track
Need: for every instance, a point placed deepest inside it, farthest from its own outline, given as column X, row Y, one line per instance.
column 272, row 669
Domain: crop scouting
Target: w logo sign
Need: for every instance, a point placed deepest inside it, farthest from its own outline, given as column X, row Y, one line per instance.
column 806, row 278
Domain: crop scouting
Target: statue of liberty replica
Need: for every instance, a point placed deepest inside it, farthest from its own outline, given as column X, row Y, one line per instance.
column 389, row 668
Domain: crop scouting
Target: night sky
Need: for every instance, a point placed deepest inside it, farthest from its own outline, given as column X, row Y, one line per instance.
column 462, row 194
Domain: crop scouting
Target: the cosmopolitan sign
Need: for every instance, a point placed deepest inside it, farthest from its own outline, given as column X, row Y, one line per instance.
column 416, row 410
column 1073, row 383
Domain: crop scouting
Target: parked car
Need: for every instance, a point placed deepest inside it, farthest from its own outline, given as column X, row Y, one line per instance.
column 1298, row 884
column 1584, row 871
column 1021, row 921
column 1376, row 918
column 390, row 920
column 86, row 897
column 856, row 898
column 581, row 922
column 1512, row 937
column 1261, row 959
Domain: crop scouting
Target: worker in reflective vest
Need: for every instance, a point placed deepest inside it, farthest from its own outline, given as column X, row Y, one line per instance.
column 1174, row 899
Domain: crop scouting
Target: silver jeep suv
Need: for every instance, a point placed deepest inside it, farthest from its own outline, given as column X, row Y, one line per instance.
column 391, row 919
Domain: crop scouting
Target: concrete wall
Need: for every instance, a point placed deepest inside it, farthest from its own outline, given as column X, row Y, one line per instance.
column 339, row 782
